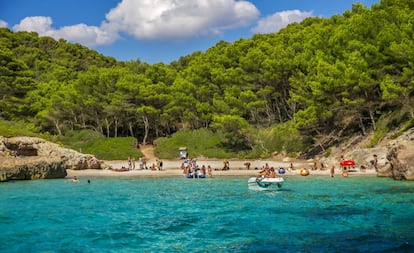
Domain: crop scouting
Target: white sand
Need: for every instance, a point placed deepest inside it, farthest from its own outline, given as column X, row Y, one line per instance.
column 171, row 168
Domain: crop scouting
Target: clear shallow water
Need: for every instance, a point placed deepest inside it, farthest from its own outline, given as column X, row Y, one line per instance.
column 309, row 214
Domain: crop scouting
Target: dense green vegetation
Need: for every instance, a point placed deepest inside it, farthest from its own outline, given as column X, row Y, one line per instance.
column 317, row 82
column 91, row 142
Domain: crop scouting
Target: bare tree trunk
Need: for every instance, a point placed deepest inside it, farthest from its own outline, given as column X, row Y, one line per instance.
column 99, row 128
column 59, row 131
column 292, row 107
column 146, row 129
column 107, row 125
column 361, row 124
column 116, row 128
column 131, row 130
column 269, row 112
column 279, row 113
column 371, row 116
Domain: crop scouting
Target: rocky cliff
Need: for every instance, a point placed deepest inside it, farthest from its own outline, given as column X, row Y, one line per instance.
column 400, row 154
column 395, row 159
column 23, row 158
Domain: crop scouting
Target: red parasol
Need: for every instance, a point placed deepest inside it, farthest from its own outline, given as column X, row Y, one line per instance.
column 348, row 163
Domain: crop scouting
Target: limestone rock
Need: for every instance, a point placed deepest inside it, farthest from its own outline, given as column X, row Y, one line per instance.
column 12, row 168
column 35, row 158
column 395, row 160
column 401, row 156
column 362, row 157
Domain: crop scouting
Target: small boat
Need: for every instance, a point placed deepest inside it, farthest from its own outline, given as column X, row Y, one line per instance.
column 195, row 175
column 264, row 183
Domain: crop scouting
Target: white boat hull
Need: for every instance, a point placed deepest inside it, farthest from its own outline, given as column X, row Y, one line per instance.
column 265, row 184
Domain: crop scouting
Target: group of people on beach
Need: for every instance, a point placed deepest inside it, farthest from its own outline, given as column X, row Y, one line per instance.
column 142, row 163
column 192, row 170
column 346, row 168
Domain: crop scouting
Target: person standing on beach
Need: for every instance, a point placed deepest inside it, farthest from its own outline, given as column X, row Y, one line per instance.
column 375, row 163
column 209, row 171
column 344, row 171
column 247, row 164
column 332, row 170
column 129, row 163
column 133, row 163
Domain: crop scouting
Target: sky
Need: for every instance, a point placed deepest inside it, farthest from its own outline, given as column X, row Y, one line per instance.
column 155, row 31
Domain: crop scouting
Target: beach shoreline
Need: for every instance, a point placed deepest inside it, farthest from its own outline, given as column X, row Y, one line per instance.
column 171, row 168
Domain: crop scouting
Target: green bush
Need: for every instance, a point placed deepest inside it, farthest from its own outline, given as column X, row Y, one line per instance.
column 201, row 142
column 112, row 148
column 283, row 137
column 10, row 129
column 91, row 142
column 206, row 143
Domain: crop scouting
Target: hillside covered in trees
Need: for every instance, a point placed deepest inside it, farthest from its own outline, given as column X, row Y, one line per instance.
column 325, row 79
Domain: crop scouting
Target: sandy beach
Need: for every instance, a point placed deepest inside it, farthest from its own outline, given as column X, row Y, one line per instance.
column 171, row 168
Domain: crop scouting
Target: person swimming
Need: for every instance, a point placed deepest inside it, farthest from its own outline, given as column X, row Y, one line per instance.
column 75, row 179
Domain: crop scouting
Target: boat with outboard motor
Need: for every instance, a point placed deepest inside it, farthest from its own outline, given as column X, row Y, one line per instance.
column 265, row 183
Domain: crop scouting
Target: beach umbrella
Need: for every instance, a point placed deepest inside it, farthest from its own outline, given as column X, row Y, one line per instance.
column 347, row 163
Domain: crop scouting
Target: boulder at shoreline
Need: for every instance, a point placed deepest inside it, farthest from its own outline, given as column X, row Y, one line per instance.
column 26, row 158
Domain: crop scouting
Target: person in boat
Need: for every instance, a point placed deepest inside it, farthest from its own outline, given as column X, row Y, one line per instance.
column 265, row 172
column 262, row 172
column 272, row 173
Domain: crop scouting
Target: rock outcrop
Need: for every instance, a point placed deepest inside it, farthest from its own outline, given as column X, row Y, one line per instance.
column 395, row 160
column 23, row 158
column 401, row 157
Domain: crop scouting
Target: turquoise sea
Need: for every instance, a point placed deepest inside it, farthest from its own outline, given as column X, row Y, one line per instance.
column 309, row 214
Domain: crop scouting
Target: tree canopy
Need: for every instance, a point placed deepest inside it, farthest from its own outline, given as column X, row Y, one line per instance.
column 327, row 75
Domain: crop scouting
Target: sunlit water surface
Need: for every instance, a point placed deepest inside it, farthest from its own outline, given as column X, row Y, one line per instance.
column 309, row 214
